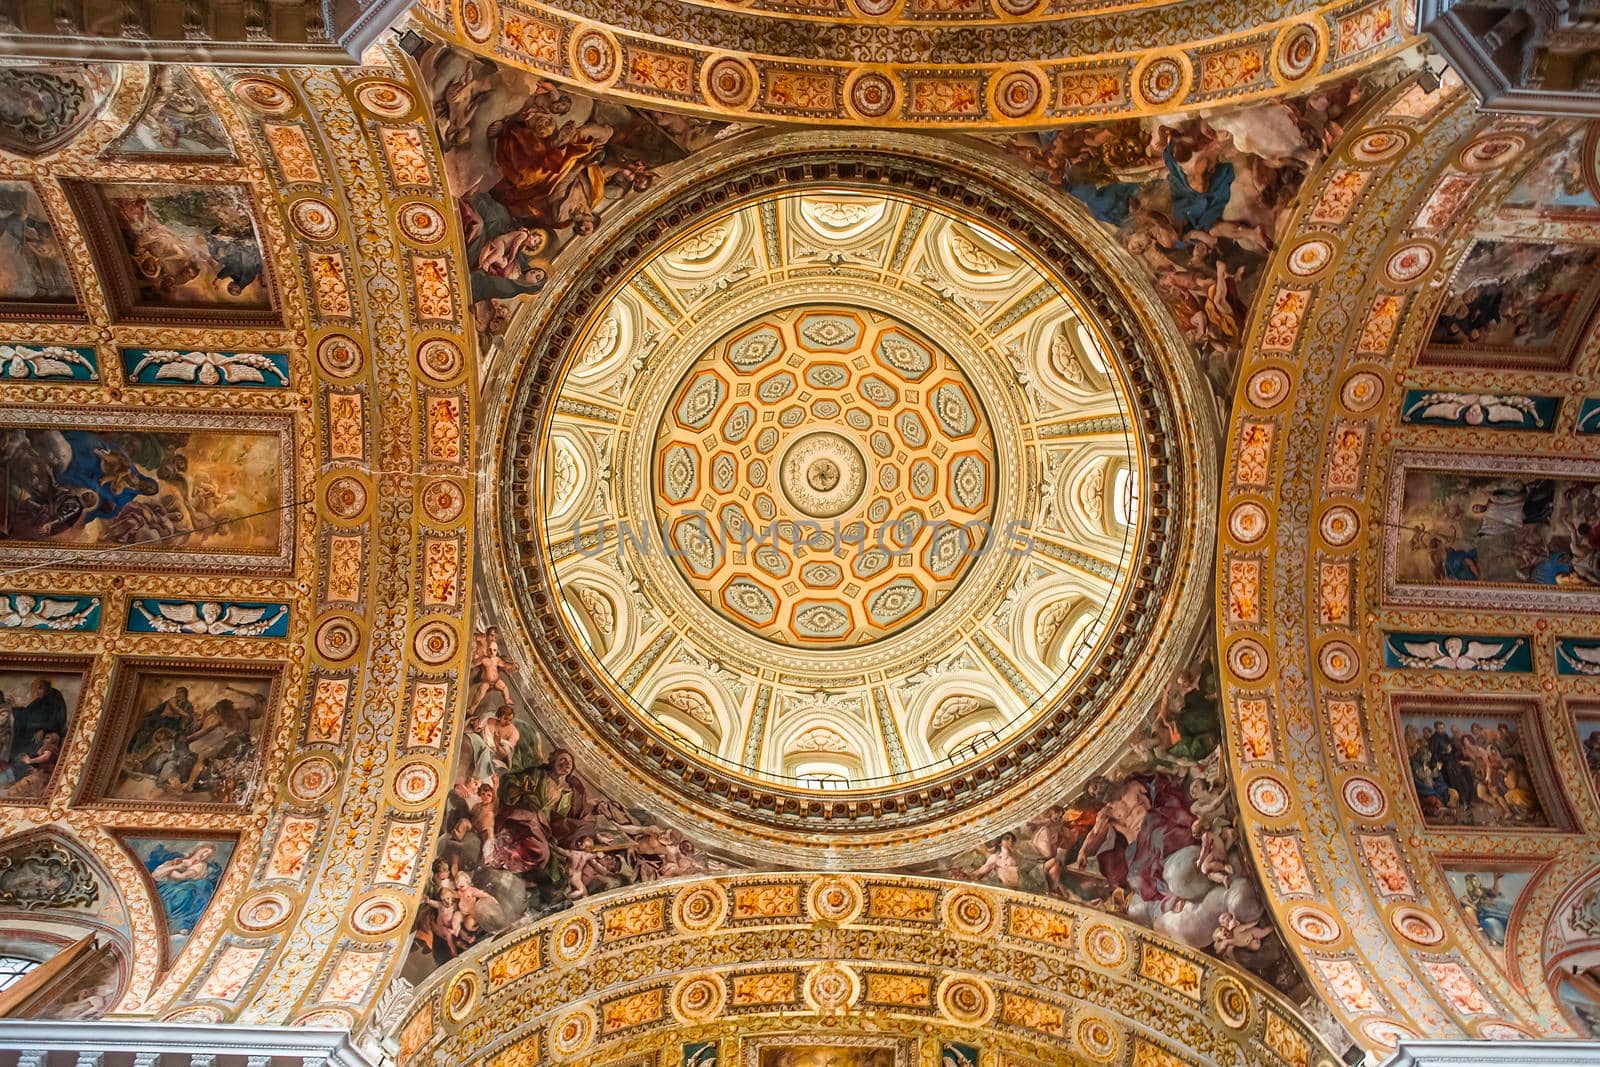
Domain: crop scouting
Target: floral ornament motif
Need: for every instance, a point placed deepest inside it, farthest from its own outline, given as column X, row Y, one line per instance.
column 339, row 355
column 1417, row 926
column 1247, row 522
column 730, row 81
column 312, row 778
column 314, row 218
column 1310, row 257
column 1315, row 925
column 1296, row 54
column 1364, row 797
column 573, row 1032
column 345, row 497
column 596, row 56
column 264, row 95
column 1248, row 659
column 573, row 939
column 1339, row 525
column 263, row 911
column 386, row 100
column 440, row 359
column 1268, row 387
column 1361, row 391
column 832, row 987
column 969, row 912
column 337, row 639
column 443, row 500
column 1268, row 796
column 478, row 18
column 1098, row 1038
column 872, row 94
column 207, row 368
column 462, row 996
column 421, row 222
column 435, row 642
column 836, row 900
column 1378, row 146
column 699, row 909
column 1105, row 946
column 1409, row 262
column 1232, row 1002
column 416, row 783
column 1339, row 661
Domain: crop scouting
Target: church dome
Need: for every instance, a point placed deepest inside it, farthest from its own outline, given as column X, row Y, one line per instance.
column 851, row 495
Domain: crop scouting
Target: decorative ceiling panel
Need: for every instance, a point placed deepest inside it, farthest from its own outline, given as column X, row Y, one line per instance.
column 729, row 970
column 953, row 66
column 233, row 535
column 1411, row 752
column 679, row 415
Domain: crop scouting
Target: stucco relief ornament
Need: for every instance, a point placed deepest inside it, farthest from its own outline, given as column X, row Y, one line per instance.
column 46, row 874
column 831, row 987
column 873, row 95
column 50, row 361
column 210, row 618
column 730, row 82
column 20, row 611
column 44, row 106
column 1297, row 52
column 1409, row 263
column 1161, row 80
column 210, row 368
column 1018, row 93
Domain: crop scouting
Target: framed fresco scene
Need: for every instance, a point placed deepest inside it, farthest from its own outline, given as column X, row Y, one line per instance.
column 184, row 734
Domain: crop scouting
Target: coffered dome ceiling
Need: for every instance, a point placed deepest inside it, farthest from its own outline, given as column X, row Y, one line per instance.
column 843, row 502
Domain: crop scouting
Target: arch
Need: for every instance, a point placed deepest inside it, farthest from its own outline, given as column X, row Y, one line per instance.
column 918, row 960
column 718, row 704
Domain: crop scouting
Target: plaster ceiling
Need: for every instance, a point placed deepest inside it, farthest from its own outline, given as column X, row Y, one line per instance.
column 930, row 63
column 921, row 970
column 1407, row 576
column 799, row 439
column 222, row 297
column 980, row 566
column 241, row 298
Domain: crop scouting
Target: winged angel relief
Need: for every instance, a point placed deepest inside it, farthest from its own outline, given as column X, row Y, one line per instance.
column 19, row 611
column 1455, row 653
column 1475, row 409
column 210, row 618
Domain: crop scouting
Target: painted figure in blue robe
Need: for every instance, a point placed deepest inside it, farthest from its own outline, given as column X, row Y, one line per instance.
column 1489, row 907
column 60, row 479
column 1197, row 209
column 185, row 882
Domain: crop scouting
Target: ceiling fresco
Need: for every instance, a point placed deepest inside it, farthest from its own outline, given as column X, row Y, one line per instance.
column 795, row 533
column 236, row 424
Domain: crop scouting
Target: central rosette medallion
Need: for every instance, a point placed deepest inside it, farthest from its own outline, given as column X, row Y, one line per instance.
column 824, row 476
